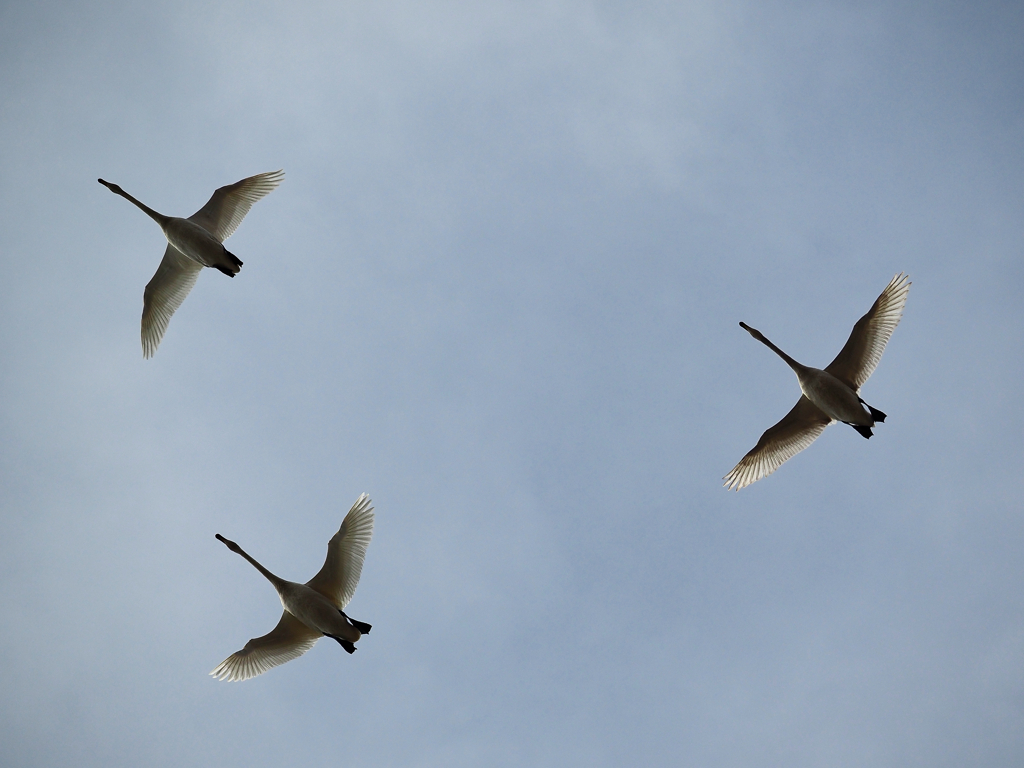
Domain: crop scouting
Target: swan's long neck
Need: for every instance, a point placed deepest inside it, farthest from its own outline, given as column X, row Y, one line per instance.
column 797, row 367
column 159, row 218
column 277, row 582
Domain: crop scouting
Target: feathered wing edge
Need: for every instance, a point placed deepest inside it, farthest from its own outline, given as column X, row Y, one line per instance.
column 779, row 443
column 288, row 640
column 172, row 282
column 863, row 350
column 227, row 207
column 339, row 576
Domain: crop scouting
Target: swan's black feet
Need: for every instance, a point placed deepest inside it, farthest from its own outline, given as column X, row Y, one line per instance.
column 362, row 626
column 344, row 643
column 865, row 431
column 876, row 414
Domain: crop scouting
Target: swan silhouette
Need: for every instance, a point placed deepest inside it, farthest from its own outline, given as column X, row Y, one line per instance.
column 829, row 395
column 192, row 244
column 312, row 610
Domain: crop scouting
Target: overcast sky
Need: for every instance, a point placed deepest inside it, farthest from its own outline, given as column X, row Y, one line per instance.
column 498, row 290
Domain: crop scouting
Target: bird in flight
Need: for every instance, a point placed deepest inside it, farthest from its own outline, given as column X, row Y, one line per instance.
column 829, row 395
column 312, row 610
column 192, row 244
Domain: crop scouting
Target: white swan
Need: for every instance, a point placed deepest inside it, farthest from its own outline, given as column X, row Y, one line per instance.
column 192, row 244
column 828, row 395
column 312, row 610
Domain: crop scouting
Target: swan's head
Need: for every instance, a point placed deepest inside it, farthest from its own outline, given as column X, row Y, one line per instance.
column 752, row 331
column 229, row 544
column 112, row 187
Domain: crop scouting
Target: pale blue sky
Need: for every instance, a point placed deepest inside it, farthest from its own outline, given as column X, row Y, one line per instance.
column 499, row 291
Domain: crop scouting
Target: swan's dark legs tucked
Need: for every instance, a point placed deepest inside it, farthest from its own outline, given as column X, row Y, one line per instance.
column 343, row 643
column 866, row 431
column 876, row 414
column 362, row 626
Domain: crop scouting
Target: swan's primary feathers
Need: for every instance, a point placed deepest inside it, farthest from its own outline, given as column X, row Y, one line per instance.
column 288, row 640
column 860, row 355
column 338, row 577
column 227, row 207
column 797, row 430
column 174, row 280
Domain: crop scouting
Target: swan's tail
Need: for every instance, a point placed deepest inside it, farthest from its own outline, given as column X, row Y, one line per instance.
column 232, row 264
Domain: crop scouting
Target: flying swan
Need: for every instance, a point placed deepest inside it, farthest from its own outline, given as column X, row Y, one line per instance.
column 312, row 610
column 828, row 395
column 192, row 244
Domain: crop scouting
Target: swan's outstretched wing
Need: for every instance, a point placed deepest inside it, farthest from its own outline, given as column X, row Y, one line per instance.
column 338, row 578
column 798, row 429
column 225, row 210
column 288, row 640
column 859, row 358
column 170, row 285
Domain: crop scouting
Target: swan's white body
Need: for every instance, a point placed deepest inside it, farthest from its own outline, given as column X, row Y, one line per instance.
column 311, row 610
column 838, row 401
column 197, row 244
column 829, row 395
column 192, row 244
